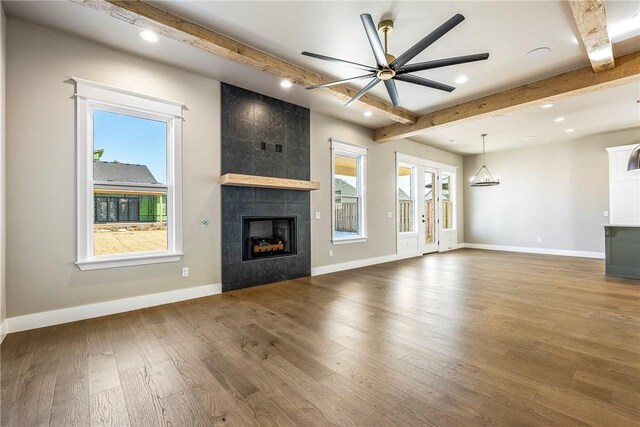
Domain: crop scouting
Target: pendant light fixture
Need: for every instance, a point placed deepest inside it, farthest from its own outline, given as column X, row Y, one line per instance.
column 483, row 177
column 634, row 160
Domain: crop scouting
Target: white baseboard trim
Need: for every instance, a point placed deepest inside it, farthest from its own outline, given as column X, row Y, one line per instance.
column 317, row 271
column 72, row 314
column 543, row 251
column 3, row 331
column 325, row 269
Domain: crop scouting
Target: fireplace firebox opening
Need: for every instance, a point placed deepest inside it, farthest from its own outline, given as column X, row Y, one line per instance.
column 266, row 237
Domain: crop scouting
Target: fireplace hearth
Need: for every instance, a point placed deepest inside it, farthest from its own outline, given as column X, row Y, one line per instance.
column 268, row 237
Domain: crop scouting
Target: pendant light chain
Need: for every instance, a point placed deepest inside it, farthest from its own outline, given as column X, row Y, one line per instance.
column 483, row 152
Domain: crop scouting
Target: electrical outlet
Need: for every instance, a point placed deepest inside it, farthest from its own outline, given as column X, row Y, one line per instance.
column 389, row 214
column 330, row 252
column 185, row 271
column 317, row 215
column 278, row 148
column 263, row 145
column 539, row 239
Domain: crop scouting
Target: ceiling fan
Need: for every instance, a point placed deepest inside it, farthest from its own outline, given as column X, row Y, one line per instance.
column 390, row 68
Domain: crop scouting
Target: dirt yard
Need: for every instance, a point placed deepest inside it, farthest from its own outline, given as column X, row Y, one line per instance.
column 119, row 242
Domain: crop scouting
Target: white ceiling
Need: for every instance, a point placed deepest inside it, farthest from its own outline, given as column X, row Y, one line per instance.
column 507, row 30
column 596, row 112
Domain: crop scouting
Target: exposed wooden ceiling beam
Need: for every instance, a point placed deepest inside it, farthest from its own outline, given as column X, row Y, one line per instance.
column 174, row 27
column 591, row 19
column 576, row 82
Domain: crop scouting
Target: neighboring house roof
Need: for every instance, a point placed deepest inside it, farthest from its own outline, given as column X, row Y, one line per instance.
column 122, row 172
column 343, row 188
column 402, row 194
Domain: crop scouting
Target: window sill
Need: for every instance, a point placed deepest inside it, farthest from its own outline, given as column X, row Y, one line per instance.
column 349, row 240
column 97, row 263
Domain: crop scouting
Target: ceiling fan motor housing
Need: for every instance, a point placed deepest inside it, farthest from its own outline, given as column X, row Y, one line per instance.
column 386, row 74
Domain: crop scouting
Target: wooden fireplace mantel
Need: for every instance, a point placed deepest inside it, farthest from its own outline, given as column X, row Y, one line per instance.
column 239, row 180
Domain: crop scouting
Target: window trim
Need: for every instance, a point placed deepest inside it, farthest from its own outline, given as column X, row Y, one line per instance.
column 90, row 96
column 360, row 153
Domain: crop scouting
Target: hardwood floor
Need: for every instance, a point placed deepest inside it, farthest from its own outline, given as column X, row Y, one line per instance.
column 460, row 338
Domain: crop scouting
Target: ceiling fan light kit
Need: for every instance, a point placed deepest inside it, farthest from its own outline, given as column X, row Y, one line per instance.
column 389, row 68
column 483, row 177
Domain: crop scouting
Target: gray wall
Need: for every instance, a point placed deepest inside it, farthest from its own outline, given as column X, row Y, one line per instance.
column 41, row 226
column 380, row 190
column 555, row 191
column 3, row 26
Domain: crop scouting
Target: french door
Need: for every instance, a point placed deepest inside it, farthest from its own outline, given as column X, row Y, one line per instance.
column 426, row 200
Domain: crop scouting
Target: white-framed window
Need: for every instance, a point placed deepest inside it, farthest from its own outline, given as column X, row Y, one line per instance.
column 348, row 190
column 406, row 181
column 129, row 201
column 448, row 200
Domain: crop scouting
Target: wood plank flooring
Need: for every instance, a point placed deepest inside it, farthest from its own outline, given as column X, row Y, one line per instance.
column 455, row 339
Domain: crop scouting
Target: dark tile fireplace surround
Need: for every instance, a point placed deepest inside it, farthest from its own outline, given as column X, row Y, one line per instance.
column 265, row 232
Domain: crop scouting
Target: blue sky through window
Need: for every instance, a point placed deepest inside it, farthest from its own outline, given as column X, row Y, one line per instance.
column 134, row 140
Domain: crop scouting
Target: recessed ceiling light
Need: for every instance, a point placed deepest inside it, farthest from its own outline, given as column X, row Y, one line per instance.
column 286, row 84
column 558, row 119
column 538, row 53
column 528, row 137
column 569, row 130
column 548, row 105
column 462, row 80
column 149, row 36
column 452, row 140
column 368, row 114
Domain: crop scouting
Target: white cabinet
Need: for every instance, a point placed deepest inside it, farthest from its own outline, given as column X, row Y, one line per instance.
column 624, row 187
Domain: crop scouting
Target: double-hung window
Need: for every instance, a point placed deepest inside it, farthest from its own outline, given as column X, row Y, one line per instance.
column 128, row 177
column 348, row 164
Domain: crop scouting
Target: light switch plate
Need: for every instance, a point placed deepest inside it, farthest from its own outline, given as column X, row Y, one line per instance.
column 389, row 214
column 317, row 215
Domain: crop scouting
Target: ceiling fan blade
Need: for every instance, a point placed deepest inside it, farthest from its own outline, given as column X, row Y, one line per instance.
column 423, row 82
column 393, row 92
column 339, row 82
column 426, row 41
column 340, row 61
column 438, row 63
column 374, row 40
column 364, row 90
